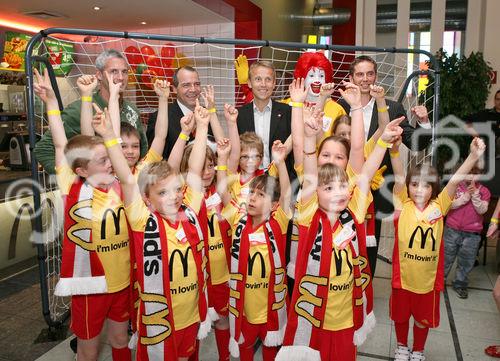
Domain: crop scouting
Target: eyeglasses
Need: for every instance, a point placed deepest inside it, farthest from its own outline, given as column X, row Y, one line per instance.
column 246, row 158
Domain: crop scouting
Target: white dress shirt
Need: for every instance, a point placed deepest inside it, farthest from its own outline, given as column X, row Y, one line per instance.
column 185, row 110
column 262, row 124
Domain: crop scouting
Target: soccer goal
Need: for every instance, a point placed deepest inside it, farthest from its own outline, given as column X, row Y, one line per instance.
column 69, row 53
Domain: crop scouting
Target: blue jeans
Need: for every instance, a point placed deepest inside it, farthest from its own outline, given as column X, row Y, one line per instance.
column 463, row 246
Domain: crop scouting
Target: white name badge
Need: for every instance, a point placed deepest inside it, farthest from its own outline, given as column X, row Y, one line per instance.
column 434, row 216
column 257, row 238
column 245, row 192
column 181, row 236
column 327, row 121
column 213, row 200
column 344, row 237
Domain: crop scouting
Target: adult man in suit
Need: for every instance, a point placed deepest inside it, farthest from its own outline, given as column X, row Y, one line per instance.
column 187, row 86
column 271, row 120
column 363, row 72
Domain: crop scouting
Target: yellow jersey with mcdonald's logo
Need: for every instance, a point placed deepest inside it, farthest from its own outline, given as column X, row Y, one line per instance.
column 181, row 262
column 109, row 228
column 418, row 250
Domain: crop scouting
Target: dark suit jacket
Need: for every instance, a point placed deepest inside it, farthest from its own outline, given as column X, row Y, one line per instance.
column 174, row 127
column 281, row 126
column 395, row 110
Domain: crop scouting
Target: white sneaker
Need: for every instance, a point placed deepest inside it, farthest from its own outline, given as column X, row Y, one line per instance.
column 402, row 353
column 417, row 356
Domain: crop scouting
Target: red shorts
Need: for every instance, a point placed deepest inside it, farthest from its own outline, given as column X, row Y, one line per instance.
column 423, row 307
column 335, row 345
column 88, row 312
column 218, row 298
column 185, row 340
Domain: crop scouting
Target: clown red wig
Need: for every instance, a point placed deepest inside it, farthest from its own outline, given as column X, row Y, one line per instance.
column 310, row 60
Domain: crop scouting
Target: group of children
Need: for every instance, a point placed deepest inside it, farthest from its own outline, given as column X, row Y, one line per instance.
column 178, row 246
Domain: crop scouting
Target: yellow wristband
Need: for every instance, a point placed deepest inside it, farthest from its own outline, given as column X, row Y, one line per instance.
column 383, row 144
column 212, row 110
column 494, row 220
column 183, row 136
column 394, row 154
column 112, row 142
column 221, row 167
column 54, row 112
column 87, row 99
column 382, row 110
column 296, row 104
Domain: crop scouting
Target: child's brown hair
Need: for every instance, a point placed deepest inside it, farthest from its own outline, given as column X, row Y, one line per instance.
column 210, row 157
column 426, row 173
column 77, row 150
column 267, row 184
column 250, row 140
column 344, row 119
column 338, row 139
column 128, row 130
column 329, row 172
column 153, row 173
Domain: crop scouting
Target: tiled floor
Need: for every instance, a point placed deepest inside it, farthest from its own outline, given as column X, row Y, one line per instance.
column 472, row 325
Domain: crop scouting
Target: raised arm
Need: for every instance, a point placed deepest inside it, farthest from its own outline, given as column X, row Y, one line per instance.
column 352, row 95
column 208, row 96
column 279, row 154
column 378, row 93
column 198, row 153
column 397, row 167
column 43, row 88
column 223, row 149
column 187, row 125
column 493, row 227
column 390, row 135
column 298, row 95
column 86, row 84
column 325, row 93
column 102, row 125
column 313, row 120
column 477, row 148
column 231, row 115
column 162, row 89
column 114, row 102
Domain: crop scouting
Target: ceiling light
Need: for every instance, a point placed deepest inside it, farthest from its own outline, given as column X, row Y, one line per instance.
column 97, row 8
column 143, row 22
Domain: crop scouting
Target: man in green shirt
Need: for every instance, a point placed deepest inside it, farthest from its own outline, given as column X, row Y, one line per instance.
column 115, row 64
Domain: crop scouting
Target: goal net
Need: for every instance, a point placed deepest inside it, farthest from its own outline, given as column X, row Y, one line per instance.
column 215, row 64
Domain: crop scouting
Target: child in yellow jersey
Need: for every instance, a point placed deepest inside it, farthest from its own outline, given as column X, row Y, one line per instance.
column 168, row 241
column 332, row 302
column 418, row 259
column 258, row 292
column 95, row 268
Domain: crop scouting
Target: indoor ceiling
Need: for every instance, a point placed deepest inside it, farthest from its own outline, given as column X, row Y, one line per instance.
column 118, row 15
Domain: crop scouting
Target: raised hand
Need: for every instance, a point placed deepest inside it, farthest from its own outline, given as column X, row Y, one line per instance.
column 278, row 151
column 86, row 84
column 241, row 67
column 114, row 88
column 101, row 122
column 208, row 96
column 43, row 87
column 162, row 88
column 187, row 123
column 230, row 113
column 201, row 115
column 298, row 93
column 477, row 147
column 392, row 131
column 377, row 91
column 327, row 90
column 351, row 94
column 313, row 121
column 223, row 148
column 421, row 113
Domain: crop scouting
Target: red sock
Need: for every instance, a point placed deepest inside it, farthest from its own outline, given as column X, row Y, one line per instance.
column 419, row 338
column 402, row 329
column 222, row 339
column 194, row 355
column 121, row 354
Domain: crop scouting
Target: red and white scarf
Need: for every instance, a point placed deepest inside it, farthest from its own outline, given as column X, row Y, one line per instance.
column 277, row 291
column 81, row 270
column 155, row 337
column 310, row 295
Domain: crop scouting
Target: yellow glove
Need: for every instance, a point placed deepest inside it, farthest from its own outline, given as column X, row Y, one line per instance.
column 241, row 66
column 378, row 178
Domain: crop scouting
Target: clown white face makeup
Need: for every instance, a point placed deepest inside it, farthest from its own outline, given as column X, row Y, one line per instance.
column 314, row 79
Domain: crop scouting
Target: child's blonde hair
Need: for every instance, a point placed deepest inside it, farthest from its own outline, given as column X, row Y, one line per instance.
column 153, row 173
column 209, row 157
column 77, row 150
column 250, row 140
column 329, row 173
